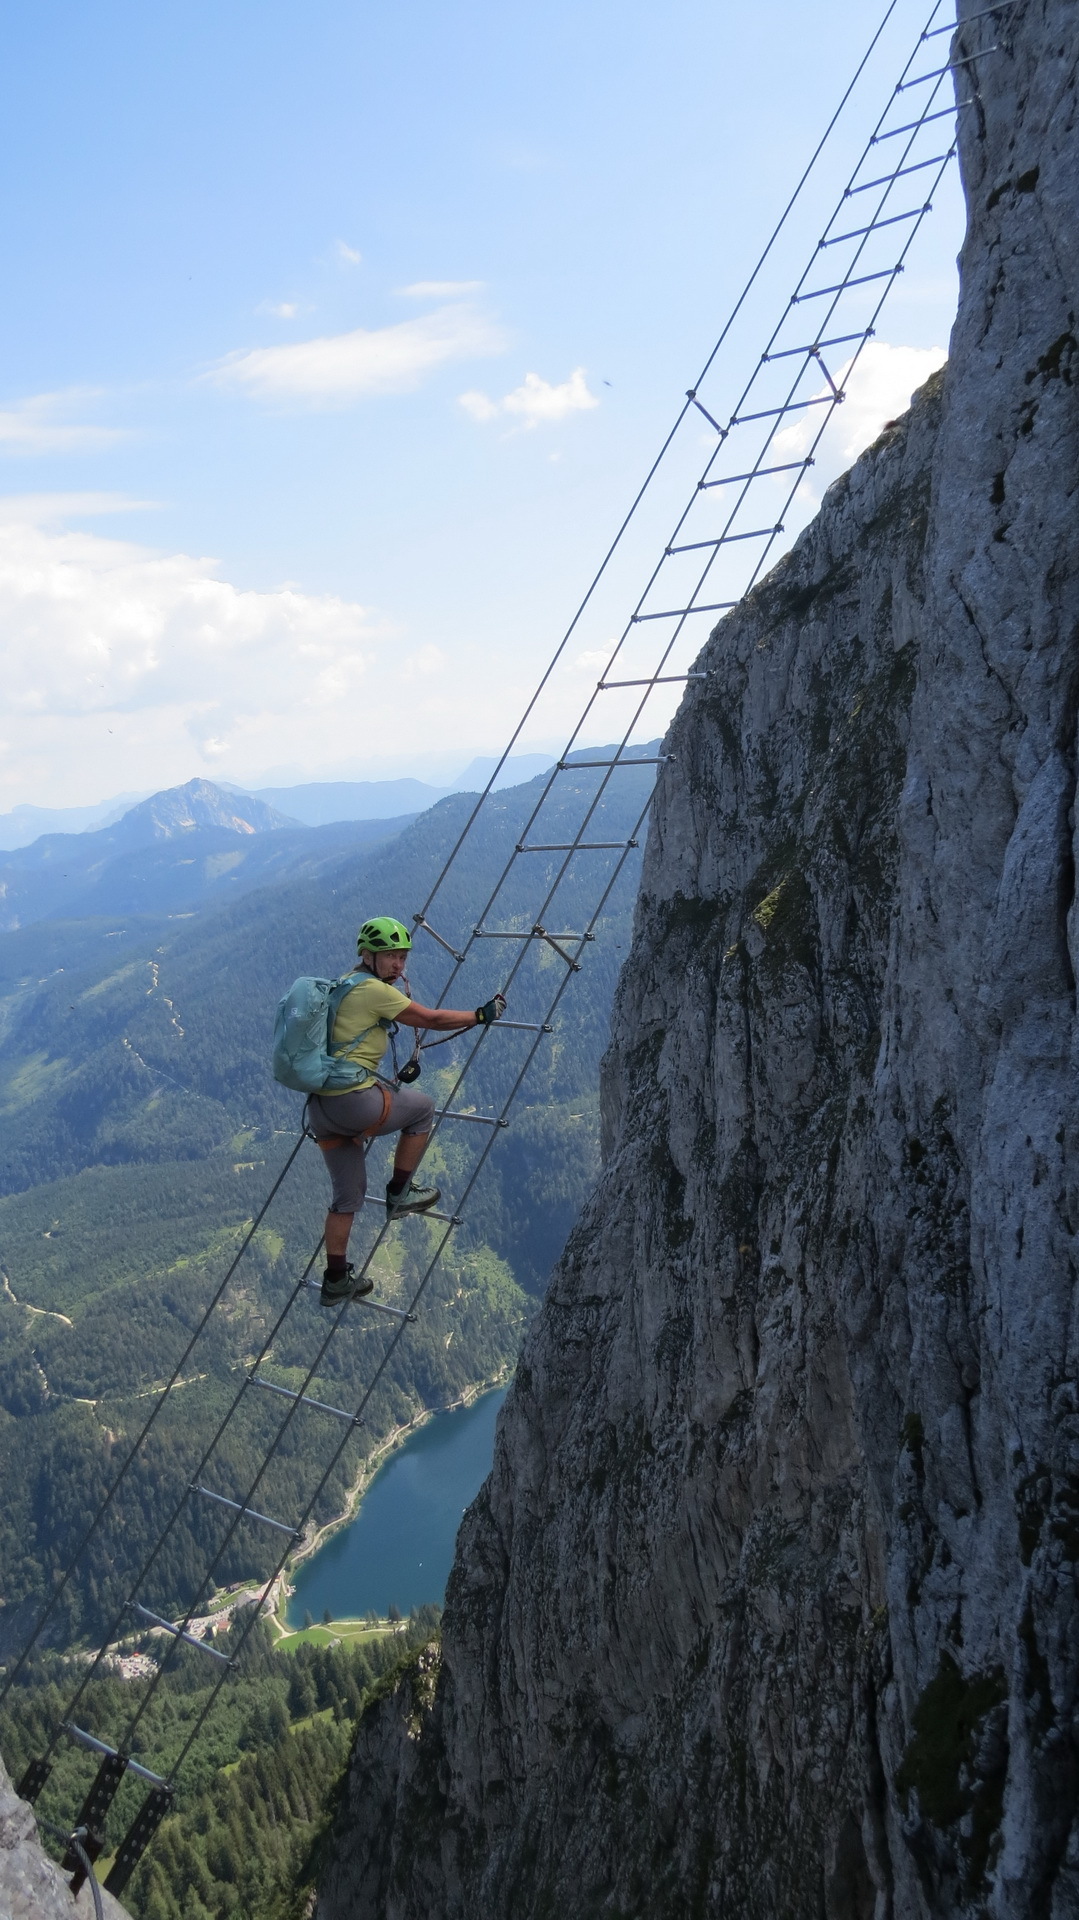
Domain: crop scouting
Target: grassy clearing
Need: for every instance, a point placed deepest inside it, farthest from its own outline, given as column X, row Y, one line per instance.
column 353, row 1633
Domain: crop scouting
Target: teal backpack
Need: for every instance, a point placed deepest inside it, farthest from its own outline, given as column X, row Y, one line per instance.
column 302, row 1055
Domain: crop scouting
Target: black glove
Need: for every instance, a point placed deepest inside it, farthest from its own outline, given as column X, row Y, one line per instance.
column 491, row 1011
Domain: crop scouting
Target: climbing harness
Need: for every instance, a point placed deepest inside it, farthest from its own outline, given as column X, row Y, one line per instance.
column 328, row 1141
column 800, row 377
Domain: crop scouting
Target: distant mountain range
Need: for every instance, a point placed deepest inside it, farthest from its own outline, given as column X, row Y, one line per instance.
column 153, row 979
column 173, row 854
column 24, row 824
column 314, row 804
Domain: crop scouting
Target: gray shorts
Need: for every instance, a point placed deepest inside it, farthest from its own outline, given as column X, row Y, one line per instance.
column 348, row 1114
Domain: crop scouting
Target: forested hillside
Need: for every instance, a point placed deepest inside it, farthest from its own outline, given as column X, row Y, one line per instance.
column 261, row 1786
column 139, row 1129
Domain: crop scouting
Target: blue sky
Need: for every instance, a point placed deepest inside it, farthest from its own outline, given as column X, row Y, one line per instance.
column 336, row 338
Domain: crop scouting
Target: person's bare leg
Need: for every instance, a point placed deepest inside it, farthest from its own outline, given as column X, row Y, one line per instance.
column 338, row 1228
column 411, row 1148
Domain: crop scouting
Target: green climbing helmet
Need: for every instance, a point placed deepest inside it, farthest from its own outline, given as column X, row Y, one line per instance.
column 383, row 935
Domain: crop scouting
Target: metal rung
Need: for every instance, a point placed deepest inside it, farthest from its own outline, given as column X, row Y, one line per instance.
column 840, row 340
column 100, row 1746
column 239, row 1507
column 419, row 921
column 691, row 395
column 178, row 1633
column 569, row 766
column 351, row 1300
column 524, row 1026
column 537, row 933
column 818, row 293
column 756, row 533
column 837, row 392
column 427, row 1213
column 656, row 679
column 953, row 26
column 480, row 1119
column 789, row 406
column 679, row 613
column 953, row 66
column 886, row 179
column 591, row 846
column 379, row 1306
column 893, row 220
column 553, row 940
column 304, row 1399
column 912, row 126
column 790, row 466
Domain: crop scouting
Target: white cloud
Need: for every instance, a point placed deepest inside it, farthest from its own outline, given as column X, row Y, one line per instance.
column 347, row 255
column 281, row 309
column 127, row 668
column 595, row 659
column 878, row 389
column 349, row 366
column 45, row 509
column 537, row 400
column 534, row 401
column 441, row 289
column 36, row 425
column 479, row 405
column 105, row 637
column 425, row 664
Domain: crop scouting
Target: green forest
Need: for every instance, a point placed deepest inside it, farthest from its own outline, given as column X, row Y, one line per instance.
column 261, row 1788
column 141, row 1132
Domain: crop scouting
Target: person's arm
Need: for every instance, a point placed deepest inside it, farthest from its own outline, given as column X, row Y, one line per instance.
column 436, row 1019
column 448, row 1019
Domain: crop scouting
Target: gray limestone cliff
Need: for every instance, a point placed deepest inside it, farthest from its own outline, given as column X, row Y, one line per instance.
column 769, row 1607
column 32, row 1886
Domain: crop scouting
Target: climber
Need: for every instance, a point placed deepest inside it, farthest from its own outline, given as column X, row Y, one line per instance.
column 344, row 1120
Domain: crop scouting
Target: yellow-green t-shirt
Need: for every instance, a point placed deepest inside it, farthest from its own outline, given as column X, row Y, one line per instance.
column 357, row 1021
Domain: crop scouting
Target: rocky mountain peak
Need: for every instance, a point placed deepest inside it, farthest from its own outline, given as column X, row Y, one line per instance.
column 179, row 810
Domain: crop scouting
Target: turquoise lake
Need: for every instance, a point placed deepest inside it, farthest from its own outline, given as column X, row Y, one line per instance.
column 399, row 1548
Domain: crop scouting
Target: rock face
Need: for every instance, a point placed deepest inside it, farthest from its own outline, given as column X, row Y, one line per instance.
column 32, row 1886
column 769, row 1607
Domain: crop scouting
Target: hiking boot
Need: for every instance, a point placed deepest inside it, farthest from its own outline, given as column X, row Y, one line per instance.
column 344, row 1286
column 411, row 1199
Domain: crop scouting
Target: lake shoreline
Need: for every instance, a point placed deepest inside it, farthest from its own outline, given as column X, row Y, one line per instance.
column 366, row 1473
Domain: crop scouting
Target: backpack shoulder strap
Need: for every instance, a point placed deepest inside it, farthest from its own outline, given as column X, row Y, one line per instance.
column 339, row 992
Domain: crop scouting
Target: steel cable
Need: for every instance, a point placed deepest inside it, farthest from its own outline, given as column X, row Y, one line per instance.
column 664, row 449
column 447, row 866
column 134, row 1449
